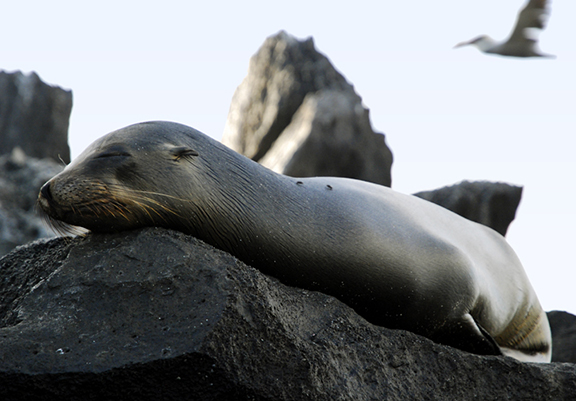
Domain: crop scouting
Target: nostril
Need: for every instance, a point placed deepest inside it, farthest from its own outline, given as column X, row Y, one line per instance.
column 45, row 191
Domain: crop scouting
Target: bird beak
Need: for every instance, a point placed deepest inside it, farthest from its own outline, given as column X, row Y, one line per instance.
column 462, row 44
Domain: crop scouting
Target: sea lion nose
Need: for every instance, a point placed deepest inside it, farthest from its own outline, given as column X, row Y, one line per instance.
column 45, row 191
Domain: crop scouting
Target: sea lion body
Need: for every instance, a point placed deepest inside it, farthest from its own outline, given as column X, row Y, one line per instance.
column 399, row 261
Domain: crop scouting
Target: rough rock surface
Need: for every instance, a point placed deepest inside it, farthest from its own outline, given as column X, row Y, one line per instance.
column 563, row 326
column 34, row 116
column 155, row 314
column 294, row 96
column 330, row 135
column 493, row 204
column 20, row 180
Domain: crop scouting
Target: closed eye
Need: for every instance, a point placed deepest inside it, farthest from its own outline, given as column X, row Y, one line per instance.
column 113, row 152
column 183, row 152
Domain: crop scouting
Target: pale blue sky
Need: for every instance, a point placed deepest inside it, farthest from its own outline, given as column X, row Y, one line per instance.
column 448, row 114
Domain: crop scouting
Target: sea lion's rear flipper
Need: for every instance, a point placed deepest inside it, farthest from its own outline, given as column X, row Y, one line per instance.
column 468, row 335
column 487, row 338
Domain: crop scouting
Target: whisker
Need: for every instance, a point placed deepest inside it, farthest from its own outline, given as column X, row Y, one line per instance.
column 148, row 204
column 116, row 202
column 61, row 228
column 139, row 191
column 147, row 208
column 62, row 160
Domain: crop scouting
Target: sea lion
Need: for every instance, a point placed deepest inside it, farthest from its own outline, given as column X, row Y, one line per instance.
column 399, row 261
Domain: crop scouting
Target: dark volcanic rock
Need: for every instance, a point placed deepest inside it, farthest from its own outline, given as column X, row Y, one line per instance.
column 293, row 104
column 493, row 204
column 155, row 314
column 20, row 180
column 34, row 116
column 563, row 325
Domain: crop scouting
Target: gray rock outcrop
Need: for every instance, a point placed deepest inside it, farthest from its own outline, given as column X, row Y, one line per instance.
column 20, row 180
column 294, row 104
column 155, row 314
column 563, row 326
column 493, row 204
column 34, row 116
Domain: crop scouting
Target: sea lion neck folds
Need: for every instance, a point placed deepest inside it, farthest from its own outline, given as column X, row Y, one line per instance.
column 399, row 261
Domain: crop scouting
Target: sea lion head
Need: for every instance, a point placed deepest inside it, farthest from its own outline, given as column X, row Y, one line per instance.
column 142, row 175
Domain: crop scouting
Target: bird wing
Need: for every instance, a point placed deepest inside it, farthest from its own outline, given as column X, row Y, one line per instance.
column 534, row 15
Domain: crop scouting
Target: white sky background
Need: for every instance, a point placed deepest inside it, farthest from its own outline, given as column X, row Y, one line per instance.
column 448, row 114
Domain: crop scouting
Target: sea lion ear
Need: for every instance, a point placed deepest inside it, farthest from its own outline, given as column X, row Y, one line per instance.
column 180, row 152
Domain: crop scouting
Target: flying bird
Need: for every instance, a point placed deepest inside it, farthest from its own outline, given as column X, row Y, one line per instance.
column 522, row 41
